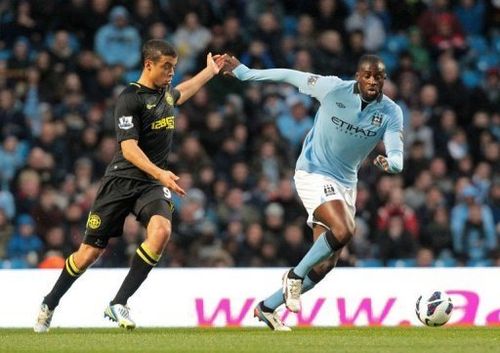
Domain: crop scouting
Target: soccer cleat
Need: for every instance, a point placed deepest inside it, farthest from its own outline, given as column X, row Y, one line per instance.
column 120, row 314
column 270, row 319
column 292, row 287
column 43, row 320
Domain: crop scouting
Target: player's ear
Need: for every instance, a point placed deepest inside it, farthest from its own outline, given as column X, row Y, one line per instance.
column 356, row 76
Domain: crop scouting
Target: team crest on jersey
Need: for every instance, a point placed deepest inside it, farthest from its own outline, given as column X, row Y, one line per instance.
column 377, row 119
column 311, row 81
column 169, row 99
column 125, row 122
column 94, row 221
column 340, row 105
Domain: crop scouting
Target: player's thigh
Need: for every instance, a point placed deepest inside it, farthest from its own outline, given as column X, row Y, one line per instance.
column 328, row 203
column 337, row 216
column 155, row 200
column 114, row 201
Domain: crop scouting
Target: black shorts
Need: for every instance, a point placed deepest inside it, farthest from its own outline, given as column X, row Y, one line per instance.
column 116, row 198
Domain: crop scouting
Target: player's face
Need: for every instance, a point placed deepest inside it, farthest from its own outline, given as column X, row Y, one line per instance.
column 162, row 71
column 370, row 77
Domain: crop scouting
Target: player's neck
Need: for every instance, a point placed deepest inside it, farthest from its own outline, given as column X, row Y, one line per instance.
column 145, row 81
column 368, row 101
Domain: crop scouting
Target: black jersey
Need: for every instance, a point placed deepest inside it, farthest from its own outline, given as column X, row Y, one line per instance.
column 145, row 115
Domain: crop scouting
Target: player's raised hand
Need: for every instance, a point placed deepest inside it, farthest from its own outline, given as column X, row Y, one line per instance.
column 215, row 63
column 230, row 63
column 168, row 179
column 381, row 163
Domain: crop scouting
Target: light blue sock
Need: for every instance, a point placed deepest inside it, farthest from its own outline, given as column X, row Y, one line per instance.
column 320, row 251
column 276, row 299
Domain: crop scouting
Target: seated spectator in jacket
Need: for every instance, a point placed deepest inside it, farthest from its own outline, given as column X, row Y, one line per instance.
column 118, row 42
column 25, row 245
column 472, row 227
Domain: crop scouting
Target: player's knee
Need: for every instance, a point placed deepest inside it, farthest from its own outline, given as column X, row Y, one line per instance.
column 344, row 234
column 87, row 255
column 161, row 230
column 340, row 235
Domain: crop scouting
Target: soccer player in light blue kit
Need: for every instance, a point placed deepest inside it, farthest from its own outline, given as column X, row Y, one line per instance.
column 353, row 117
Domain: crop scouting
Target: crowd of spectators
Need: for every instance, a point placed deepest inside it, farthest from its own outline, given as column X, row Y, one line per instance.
column 63, row 63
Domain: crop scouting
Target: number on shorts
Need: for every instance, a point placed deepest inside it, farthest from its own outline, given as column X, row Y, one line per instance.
column 167, row 193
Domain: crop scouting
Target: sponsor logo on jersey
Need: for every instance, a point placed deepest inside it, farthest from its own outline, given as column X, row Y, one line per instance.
column 329, row 190
column 351, row 129
column 94, row 221
column 167, row 122
column 377, row 119
column 169, row 99
column 125, row 122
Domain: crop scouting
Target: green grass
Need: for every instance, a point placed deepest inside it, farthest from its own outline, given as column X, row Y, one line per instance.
column 255, row 340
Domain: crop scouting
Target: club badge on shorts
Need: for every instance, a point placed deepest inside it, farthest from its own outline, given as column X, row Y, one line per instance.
column 94, row 221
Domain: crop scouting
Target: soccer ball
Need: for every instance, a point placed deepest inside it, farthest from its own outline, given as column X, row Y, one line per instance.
column 434, row 309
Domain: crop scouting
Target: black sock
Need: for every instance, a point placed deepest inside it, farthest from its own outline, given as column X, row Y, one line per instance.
column 144, row 260
column 293, row 275
column 69, row 275
column 265, row 308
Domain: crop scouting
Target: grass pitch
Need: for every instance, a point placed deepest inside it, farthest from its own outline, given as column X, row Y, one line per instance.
column 256, row 340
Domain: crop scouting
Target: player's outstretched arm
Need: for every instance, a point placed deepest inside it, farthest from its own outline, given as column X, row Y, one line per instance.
column 233, row 67
column 188, row 88
column 135, row 155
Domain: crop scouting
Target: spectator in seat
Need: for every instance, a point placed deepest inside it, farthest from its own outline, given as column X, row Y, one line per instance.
column 118, row 42
column 472, row 227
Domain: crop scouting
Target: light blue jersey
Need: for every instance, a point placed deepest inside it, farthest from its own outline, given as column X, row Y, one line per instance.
column 342, row 135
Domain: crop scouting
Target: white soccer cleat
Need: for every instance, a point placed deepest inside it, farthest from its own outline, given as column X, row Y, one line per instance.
column 43, row 320
column 120, row 314
column 292, row 288
column 270, row 319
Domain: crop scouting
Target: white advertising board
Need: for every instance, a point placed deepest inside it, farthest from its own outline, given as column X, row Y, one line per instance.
column 226, row 297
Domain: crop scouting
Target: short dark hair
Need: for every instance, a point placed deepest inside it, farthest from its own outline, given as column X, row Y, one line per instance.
column 369, row 59
column 153, row 49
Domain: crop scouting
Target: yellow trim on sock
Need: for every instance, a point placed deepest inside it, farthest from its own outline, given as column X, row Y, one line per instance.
column 73, row 264
column 151, row 254
column 146, row 260
column 69, row 269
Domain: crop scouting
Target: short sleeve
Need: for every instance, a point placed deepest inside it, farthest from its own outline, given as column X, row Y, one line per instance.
column 176, row 94
column 127, row 120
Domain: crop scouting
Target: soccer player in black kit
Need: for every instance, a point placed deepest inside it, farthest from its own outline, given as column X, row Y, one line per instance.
column 137, row 180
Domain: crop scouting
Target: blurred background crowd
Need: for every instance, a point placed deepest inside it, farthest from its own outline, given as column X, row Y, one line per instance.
column 63, row 63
